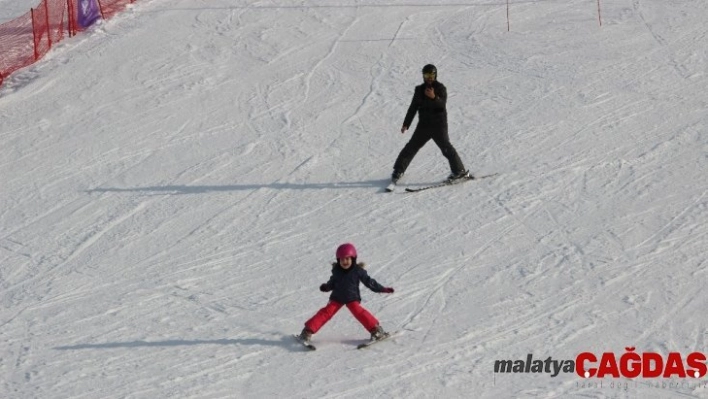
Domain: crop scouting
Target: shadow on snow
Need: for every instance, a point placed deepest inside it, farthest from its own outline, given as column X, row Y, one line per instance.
column 283, row 342
column 186, row 189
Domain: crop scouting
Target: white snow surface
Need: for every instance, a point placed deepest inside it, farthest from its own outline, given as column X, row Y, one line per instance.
column 11, row 9
column 176, row 180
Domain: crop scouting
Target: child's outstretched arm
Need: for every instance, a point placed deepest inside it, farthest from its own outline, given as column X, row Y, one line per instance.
column 372, row 284
column 328, row 286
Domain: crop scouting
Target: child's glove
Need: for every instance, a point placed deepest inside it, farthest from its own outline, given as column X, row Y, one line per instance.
column 387, row 290
column 325, row 288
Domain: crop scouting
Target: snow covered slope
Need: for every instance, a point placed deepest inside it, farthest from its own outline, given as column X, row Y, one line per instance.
column 175, row 183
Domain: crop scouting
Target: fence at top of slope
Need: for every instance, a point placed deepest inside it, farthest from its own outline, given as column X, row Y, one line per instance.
column 27, row 38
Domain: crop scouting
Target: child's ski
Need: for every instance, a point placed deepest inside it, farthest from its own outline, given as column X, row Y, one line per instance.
column 306, row 344
column 448, row 183
column 369, row 343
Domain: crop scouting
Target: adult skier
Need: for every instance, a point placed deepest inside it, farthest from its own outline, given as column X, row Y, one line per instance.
column 429, row 102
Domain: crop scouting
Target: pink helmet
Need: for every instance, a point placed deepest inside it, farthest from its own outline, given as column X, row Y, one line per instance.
column 346, row 251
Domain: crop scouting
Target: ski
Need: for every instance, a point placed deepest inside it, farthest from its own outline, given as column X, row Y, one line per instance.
column 306, row 344
column 386, row 337
column 449, row 183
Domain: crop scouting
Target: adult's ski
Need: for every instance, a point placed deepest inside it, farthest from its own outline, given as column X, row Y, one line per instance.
column 449, row 183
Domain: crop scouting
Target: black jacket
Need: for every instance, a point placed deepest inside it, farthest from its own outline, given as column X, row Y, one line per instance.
column 345, row 283
column 431, row 112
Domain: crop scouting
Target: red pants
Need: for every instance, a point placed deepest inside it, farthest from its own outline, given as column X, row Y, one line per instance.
column 326, row 313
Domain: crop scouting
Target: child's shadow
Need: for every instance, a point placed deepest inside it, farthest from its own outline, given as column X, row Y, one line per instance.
column 283, row 342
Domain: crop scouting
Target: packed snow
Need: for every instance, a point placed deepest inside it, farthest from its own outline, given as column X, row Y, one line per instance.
column 175, row 182
column 11, row 9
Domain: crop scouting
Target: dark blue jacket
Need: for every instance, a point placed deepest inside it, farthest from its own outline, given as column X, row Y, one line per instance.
column 345, row 283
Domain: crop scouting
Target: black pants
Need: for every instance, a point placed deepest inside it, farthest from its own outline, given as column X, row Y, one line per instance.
column 422, row 135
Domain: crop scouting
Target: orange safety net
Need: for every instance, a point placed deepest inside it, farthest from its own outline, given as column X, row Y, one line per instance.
column 27, row 38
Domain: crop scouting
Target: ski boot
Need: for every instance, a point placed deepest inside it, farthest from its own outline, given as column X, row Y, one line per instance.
column 378, row 333
column 396, row 176
column 465, row 174
column 305, row 335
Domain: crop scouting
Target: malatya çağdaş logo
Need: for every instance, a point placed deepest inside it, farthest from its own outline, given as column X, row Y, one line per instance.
column 629, row 364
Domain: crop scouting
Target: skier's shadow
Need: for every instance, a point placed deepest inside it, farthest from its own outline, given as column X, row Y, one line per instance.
column 186, row 189
column 284, row 342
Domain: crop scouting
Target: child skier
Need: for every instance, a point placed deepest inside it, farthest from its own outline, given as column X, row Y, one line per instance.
column 344, row 284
